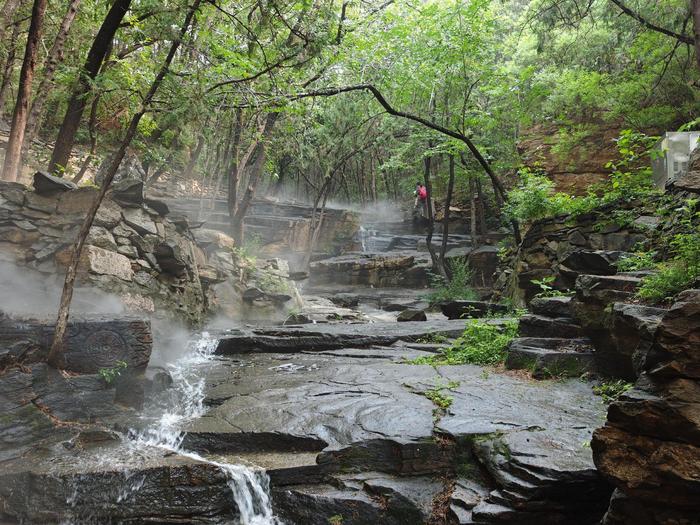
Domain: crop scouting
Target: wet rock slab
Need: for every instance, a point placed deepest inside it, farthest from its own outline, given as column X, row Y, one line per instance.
column 520, row 444
column 331, row 336
column 113, row 483
column 311, row 402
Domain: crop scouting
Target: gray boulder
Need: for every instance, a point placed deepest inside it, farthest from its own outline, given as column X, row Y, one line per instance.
column 45, row 184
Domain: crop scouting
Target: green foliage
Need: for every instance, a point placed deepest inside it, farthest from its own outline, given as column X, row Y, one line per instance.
column 631, row 176
column 440, row 399
column 458, row 288
column 639, row 260
column 612, row 390
column 110, row 374
column 482, row 343
column 676, row 274
column 534, row 198
column 336, row 519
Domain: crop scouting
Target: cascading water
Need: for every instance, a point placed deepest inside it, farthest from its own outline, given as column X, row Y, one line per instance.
column 184, row 401
column 367, row 237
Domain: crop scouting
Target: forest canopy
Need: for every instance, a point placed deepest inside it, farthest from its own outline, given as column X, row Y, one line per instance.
column 255, row 94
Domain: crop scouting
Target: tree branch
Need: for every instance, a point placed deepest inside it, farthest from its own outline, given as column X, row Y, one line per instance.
column 497, row 184
column 683, row 38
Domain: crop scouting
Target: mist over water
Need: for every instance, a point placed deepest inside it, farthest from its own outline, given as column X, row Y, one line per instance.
column 27, row 292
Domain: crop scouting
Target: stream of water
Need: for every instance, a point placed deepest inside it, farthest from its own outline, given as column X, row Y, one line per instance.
column 184, row 401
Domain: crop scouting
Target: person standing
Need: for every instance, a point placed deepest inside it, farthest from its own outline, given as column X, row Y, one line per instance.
column 421, row 199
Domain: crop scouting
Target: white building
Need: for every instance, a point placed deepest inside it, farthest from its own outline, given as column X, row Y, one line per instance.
column 677, row 146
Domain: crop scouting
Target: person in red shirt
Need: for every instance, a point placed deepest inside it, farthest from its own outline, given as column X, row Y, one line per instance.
column 421, row 199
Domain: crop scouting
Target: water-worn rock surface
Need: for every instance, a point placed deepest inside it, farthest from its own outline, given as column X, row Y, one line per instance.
column 519, row 444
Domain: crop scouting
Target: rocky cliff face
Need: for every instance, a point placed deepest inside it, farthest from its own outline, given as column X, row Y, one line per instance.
column 569, row 161
column 564, row 248
column 650, row 446
column 149, row 259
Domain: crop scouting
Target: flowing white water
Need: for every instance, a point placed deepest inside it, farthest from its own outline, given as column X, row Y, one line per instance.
column 185, row 401
column 367, row 237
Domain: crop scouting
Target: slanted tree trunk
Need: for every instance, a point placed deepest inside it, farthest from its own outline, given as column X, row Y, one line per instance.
column 13, row 153
column 54, row 58
column 96, row 56
column 446, row 220
column 55, row 357
column 9, row 67
column 317, row 223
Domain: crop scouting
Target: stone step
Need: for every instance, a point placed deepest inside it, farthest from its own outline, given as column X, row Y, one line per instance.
column 533, row 325
column 595, row 262
column 475, row 309
column 551, row 357
column 559, row 306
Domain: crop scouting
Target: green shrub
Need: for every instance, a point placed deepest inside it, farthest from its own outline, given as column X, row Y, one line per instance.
column 458, row 288
column 481, row 343
column 678, row 273
column 633, row 262
column 611, row 391
column 631, row 176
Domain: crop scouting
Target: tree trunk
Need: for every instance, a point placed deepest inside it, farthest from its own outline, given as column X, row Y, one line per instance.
column 316, row 225
column 472, row 212
column 695, row 6
column 55, row 357
column 13, row 153
column 54, row 58
column 255, row 171
column 431, row 219
column 482, row 212
column 9, row 67
column 93, row 140
column 446, row 220
column 194, row 157
column 6, row 14
column 98, row 51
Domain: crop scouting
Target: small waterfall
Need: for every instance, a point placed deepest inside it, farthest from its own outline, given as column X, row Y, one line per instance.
column 184, row 401
column 367, row 237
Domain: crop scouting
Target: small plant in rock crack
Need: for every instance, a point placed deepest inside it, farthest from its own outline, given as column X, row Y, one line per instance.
column 546, row 288
column 439, row 398
column 336, row 519
column 110, row 374
column 611, row 391
column 432, row 338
